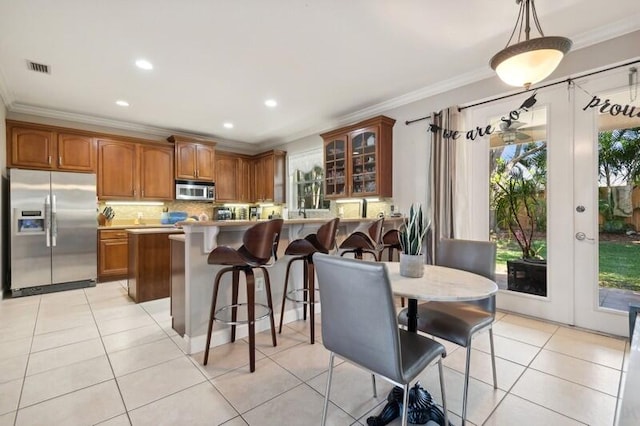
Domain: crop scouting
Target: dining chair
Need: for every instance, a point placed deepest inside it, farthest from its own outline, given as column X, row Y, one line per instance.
column 259, row 246
column 302, row 249
column 367, row 238
column 359, row 325
column 458, row 322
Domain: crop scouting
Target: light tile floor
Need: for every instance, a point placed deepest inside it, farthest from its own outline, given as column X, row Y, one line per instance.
column 91, row 356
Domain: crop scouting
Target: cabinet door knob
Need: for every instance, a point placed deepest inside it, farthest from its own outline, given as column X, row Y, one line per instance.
column 49, row 160
column 60, row 160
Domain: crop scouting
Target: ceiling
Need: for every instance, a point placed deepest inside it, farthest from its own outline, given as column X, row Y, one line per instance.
column 326, row 62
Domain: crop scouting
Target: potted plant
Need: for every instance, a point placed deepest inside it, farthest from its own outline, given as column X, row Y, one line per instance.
column 411, row 235
column 519, row 207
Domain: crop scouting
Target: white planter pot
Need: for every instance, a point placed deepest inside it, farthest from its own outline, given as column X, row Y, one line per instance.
column 411, row 265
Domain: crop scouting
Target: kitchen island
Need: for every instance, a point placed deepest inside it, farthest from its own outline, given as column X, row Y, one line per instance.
column 192, row 277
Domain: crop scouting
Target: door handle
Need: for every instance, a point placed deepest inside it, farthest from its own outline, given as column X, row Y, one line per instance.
column 54, row 221
column 581, row 236
column 47, row 220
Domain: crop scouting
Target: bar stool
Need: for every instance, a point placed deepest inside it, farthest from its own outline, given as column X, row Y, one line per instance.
column 391, row 242
column 303, row 249
column 256, row 251
column 367, row 240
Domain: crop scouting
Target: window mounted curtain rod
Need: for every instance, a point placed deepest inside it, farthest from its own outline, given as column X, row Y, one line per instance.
column 567, row 80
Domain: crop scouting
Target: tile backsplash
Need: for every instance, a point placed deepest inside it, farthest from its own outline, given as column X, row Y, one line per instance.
column 128, row 213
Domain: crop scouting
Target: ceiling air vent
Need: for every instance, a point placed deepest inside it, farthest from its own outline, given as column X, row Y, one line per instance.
column 34, row 66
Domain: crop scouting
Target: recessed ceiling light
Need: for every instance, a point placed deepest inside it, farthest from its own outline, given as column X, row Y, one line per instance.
column 144, row 64
column 122, row 103
column 271, row 103
column 228, row 125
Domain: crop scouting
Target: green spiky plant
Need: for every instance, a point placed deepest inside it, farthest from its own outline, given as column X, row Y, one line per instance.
column 413, row 231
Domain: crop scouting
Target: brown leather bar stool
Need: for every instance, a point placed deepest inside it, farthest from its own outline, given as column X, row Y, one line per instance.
column 259, row 244
column 368, row 240
column 303, row 250
column 391, row 242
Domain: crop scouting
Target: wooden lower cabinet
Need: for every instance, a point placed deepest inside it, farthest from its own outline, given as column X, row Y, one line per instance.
column 113, row 255
column 178, row 321
column 149, row 265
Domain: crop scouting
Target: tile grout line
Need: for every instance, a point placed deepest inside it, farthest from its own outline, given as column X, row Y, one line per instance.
column 26, row 367
column 124, row 405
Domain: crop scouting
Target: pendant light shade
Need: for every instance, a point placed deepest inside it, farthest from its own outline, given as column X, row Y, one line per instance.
column 531, row 60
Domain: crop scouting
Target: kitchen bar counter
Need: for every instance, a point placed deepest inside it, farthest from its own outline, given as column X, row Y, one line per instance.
column 192, row 277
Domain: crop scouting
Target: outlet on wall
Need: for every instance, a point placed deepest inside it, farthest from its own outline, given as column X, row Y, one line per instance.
column 259, row 283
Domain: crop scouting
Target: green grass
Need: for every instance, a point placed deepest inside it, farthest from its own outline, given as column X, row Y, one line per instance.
column 619, row 262
column 620, row 265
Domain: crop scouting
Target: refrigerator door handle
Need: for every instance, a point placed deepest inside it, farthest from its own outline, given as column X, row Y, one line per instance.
column 54, row 221
column 47, row 219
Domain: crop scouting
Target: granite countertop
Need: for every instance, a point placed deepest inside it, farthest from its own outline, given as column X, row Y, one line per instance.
column 225, row 223
column 155, row 230
column 130, row 226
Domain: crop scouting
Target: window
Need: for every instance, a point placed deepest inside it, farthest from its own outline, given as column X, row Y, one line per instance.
column 307, row 181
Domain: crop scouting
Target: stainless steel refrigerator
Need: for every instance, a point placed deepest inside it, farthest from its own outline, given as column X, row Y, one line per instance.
column 53, row 231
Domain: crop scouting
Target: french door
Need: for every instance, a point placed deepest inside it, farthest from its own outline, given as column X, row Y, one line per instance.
column 605, row 275
column 567, row 234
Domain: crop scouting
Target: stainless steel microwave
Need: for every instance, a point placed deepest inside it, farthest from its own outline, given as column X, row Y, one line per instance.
column 195, row 191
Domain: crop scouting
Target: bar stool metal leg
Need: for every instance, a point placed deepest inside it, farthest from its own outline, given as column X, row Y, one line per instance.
column 234, row 302
column 214, row 297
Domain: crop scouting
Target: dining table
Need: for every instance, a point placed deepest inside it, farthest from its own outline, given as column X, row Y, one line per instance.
column 438, row 283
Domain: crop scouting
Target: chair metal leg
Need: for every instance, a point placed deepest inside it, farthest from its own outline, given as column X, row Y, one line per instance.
column 493, row 359
column 373, row 382
column 267, row 286
column 465, row 391
column 442, row 392
column 327, row 390
column 405, row 404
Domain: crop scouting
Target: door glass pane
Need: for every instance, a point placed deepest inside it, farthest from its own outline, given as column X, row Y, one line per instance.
column 618, row 204
column 517, row 188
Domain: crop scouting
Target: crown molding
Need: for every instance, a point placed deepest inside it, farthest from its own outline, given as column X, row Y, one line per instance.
column 607, row 32
column 161, row 132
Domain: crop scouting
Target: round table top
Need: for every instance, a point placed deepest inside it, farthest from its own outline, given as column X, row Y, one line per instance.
column 440, row 284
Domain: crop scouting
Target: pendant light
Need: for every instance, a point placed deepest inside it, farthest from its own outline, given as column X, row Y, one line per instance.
column 533, row 59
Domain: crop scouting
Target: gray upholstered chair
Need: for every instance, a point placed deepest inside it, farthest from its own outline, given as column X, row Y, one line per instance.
column 359, row 324
column 458, row 322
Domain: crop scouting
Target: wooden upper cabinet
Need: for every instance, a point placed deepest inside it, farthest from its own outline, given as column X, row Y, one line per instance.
column 77, row 153
column 358, row 159
column 228, row 185
column 269, row 169
column 205, row 159
column 117, row 171
column 132, row 171
column 41, row 147
column 246, row 180
column 194, row 160
column 156, row 172
column 31, row 148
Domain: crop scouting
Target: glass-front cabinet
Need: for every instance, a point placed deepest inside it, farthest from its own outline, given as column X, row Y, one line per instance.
column 358, row 159
column 335, row 166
